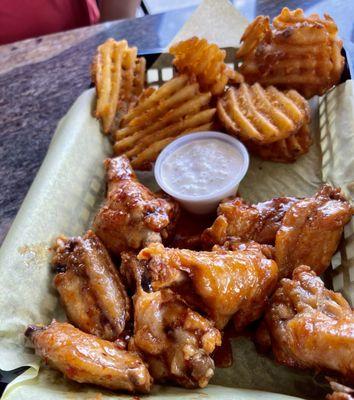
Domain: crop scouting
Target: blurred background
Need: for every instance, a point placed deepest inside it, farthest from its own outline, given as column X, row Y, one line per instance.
column 22, row 19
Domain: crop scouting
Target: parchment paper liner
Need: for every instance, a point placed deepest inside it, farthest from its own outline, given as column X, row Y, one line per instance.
column 68, row 188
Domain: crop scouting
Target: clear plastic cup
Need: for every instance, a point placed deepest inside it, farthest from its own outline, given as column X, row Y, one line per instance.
column 202, row 204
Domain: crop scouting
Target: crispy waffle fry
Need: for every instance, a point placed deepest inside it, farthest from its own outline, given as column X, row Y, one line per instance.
column 287, row 150
column 295, row 52
column 119, row 77
column 145, row 159
column 196, row 57
column 159, row 117
column 262, row 115
column 174, row 115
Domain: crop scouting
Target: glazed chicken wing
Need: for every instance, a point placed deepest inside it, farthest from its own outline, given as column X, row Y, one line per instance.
column 310, row 326
column 311, row 230
column 90, row 288
column 132, row 216
column 221, row 283
column 85, row 358
column 259, row 222
column 175, row 341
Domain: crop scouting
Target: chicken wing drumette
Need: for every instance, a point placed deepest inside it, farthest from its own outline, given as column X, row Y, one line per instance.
column 311, row 230
column 221, row 283
column 85, row 358
column 309, row 326
column 259, row 222
column 90, row 288
column 174, row 340
column 132, row 216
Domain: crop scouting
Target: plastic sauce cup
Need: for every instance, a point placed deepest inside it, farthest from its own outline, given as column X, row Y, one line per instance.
column 206, row 203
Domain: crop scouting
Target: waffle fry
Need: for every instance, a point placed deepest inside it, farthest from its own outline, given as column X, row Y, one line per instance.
column 145, row 159
column 262, row 115
column 160, row 116
column 119, row 77
column 287, row 150
column 205, row 61
column 295, row 52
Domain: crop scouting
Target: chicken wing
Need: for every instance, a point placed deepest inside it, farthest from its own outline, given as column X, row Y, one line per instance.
column 311, row 230
column 90, row 288
column 310, row 326
column 221, row 283
column 259, row 222
column 85, row 358
column 132, row 216
column 175, row 341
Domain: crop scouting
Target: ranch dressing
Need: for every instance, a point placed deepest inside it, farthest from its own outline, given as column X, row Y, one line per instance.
column 201, row 167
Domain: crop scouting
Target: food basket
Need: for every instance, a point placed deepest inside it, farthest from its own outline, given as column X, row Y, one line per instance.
column 70, row 186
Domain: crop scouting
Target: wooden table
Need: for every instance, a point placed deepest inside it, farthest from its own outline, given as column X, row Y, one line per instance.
column 40, row 78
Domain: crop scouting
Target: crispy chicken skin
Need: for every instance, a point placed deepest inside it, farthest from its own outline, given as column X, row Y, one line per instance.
column 90, row 288
column 85, row 358
column 311, row 230
column 221, row 283
column 132, row 216
column 175, row 341
column 236, row 244
column 310, row 326
column 259, row 222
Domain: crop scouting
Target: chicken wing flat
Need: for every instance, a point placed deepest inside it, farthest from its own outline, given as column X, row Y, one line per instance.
column 85, row 358
column 259, row 222
column 175, row 341
column 222, row 284
column 90, row 288
column 310, row 326
column 311, row 230
column 132, row 216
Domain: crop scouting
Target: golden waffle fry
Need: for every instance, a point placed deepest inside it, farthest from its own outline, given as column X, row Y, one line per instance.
column 145, row 159
column 262, row 115
column 159, row 117
column 295, row 52
column 196, row 57
column 119, row 77
column 255, row 33
column 286, row 150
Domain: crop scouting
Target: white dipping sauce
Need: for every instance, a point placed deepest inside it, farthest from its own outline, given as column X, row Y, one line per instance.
column 201, row 167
